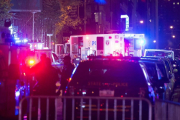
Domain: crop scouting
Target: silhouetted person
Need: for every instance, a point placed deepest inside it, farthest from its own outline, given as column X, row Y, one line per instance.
column 76, row 60
column 46, row 77
column 66, row 72
column 47, row 87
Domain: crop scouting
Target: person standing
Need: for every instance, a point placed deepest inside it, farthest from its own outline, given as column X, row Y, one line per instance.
column 46, row 77
column 66, row 72
column 47, row 87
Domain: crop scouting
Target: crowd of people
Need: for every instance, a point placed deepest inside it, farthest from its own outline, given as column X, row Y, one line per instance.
column 47, row 76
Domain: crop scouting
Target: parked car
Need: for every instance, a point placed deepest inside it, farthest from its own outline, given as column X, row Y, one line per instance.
column 162, row 76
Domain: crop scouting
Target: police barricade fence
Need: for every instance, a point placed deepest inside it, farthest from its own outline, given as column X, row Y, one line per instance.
column 133, row 101
column 167, row 110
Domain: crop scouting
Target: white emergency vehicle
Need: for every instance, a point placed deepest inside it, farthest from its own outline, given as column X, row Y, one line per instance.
column 102, row 44
column 159, row 53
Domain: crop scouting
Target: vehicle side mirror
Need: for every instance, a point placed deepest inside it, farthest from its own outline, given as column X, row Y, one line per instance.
column 175, row 70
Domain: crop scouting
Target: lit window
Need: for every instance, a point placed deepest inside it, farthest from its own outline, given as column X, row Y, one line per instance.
column 168, row 0
column 177, row 3
column 173, row 3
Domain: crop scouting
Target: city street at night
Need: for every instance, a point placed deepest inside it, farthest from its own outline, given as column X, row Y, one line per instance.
column 89, row 59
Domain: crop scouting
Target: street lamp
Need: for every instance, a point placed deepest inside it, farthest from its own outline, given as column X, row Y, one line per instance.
column 50, row 44
column 154, row 41
column 141, row 21
column 171, row 27
column 173, row 36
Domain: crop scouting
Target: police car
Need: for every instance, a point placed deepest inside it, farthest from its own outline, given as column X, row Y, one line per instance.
column 109, row 77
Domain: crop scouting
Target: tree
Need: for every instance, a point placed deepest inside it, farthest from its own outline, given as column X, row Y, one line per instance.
column 5, row 6
column 45, row 20
column 66, row 18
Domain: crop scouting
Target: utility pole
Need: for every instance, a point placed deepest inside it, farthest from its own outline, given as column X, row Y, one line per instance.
column 111, row 14
column 85, row 17
column 157, row 25
column 50, row 44
column 33, row 27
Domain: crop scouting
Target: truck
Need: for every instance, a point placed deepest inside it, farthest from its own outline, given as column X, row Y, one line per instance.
column 102, row 44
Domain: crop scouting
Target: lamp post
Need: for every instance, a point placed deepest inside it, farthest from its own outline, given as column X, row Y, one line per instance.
column 33, row 27
column 171, row 27
column 84, row 16
column 49, row 35
column 141, row 21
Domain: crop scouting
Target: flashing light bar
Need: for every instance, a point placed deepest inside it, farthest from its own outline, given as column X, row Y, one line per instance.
column 25, row 40
column 16, row 38
column 141, row 36
column 129, row 35
column 19, row 41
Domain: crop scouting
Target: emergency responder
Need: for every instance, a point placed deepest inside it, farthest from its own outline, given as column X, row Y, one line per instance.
column 66, row 72
column 48, row 88
column 76, row 60
column 46, row 76
column 37, row 71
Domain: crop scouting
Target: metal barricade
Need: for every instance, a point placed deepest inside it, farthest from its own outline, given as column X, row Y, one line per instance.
column 107, row 101
column 167, row 110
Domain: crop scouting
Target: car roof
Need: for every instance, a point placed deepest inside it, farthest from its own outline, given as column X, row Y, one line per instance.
column 151, row 59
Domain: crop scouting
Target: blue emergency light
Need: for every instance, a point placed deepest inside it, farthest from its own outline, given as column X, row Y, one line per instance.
column 101, row 1
column 141, row 42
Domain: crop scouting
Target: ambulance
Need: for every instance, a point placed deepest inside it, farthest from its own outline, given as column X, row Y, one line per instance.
column 102, row 44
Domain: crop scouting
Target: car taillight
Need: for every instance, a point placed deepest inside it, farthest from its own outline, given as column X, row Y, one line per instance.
column 83, row 92
column 142, row 92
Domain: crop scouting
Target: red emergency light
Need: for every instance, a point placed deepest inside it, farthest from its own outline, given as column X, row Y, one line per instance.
column 31, row 62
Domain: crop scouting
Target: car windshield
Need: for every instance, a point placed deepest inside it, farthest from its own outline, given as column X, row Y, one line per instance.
column 168, row 66
column 55, row 57
column 108, row 71
column 162, row 70
column 151, row 69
